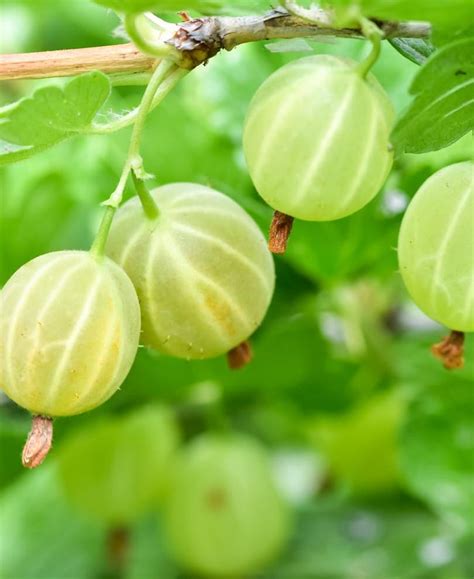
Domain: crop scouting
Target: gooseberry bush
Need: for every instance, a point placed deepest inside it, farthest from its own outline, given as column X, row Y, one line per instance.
column 139, row 283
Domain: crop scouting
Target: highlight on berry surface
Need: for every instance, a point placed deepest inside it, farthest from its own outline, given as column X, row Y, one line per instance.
column 70, row 329
column 225, row 517
column 316, row 138
column 201, row 268
column 435, row 247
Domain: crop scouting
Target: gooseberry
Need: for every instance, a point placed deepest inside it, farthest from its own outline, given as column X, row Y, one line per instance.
column 225, row 516
column 70, row 327
column 316, row 138
column 120, row 467
column 435, row 247
column 361, row 446
column 201, row 268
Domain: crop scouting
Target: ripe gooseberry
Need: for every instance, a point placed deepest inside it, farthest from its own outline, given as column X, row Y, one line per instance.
column 435, row 247
column 201, row 268
column 316, row 138
column 225, row 516
column 361, row 446
column 119, row 468
column 70, row 325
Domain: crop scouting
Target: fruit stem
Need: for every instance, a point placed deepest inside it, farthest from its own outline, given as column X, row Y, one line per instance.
column 451, row 350
column 373, row 33
column 148, row 203
column 98, row 247
column 39, row 441
column 149, row 100
column 147, row 36
column 240, row 356
column 280, row 230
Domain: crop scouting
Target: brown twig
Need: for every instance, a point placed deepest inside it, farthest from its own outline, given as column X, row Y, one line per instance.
column 240, row 356
column 280, row 230
column 197, row 40
column 451, row 350
column 120, row 58
column 39, row 441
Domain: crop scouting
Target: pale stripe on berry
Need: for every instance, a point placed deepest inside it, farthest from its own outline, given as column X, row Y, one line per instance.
column 225, row 248
column 264, row 150
column 445, row 241
column 43, row 313
column 15, row 316
column 323, row 148
column 73, row 338
column 367, row 152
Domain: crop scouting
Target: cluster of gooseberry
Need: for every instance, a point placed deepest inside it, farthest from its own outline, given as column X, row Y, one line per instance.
column 188, row 272
column 222, row 513
column 316, row 140
column 195, row 281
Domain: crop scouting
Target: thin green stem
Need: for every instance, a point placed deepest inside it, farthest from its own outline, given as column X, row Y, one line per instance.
column 130, row 79
column 148, row 203
column 134, row 160
column 126, row 120
column 98, row 247
column 373, row 33
column 138, row 28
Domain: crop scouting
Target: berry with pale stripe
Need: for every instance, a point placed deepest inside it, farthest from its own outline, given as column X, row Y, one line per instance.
column 140, row 447
column 316, row 138
column 70, row 325
column 201, row 268
column 435, row 247
column 225, row 517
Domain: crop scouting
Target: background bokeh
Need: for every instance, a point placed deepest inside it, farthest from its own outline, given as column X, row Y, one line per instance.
column 370, row 439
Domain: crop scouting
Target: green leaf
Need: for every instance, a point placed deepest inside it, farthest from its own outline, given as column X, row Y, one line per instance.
column 393, row 540
column 11, row 153
column 136, row 6
column 443, row 109
column 12, row 438
column 415, row 49
column 133, row 6
column 51, row 115
column 40, row 537
column 437, row 449
column 452, row 14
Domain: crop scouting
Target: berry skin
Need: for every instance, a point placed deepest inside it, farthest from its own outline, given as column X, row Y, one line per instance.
column 119, row 468
column 316, row 138
column 225, row 517
column 435, row 247
column 70, row 326
column 202, row 271
column 361, row 446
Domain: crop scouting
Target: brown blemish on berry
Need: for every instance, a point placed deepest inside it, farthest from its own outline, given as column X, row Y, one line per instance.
column 216, row 499
column 221, row 312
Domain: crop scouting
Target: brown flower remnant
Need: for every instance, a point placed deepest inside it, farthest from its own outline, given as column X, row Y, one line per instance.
column 240, row 356
column 451, row 350
column 280, row 230
column 39, row 441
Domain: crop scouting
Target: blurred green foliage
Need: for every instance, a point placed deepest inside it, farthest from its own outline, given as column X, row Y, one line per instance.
column 340, row 333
